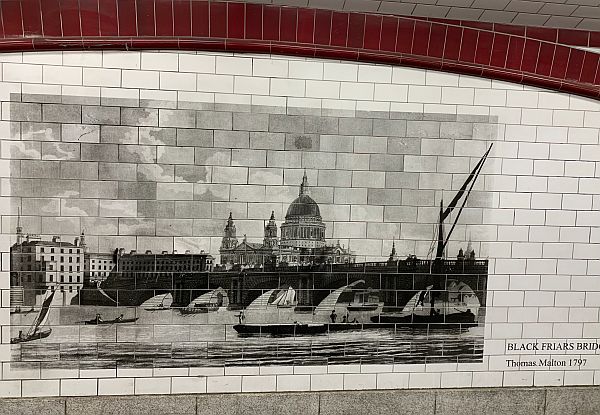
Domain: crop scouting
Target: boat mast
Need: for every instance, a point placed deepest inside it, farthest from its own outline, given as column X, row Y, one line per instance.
column 442, row 242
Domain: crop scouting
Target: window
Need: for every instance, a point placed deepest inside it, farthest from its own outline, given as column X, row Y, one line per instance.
column 70, row 268
column 52, row 251
column 62, row 267
column 77, row 268
column 70, row 278
column 42, row 249
column 71, row 259
column 62, row 259
column 62, row 278
column 62, row 251
column 70, row 251
column 78, row 259
column 52, row 258
column 42, row 258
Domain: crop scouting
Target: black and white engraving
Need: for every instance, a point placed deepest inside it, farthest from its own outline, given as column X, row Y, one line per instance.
column 212, row 235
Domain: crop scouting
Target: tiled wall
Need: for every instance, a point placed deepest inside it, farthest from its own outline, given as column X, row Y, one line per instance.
column 216, row 128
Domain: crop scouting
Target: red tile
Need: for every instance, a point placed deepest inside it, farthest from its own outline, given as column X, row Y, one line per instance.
column 271, row 17
column 201, row 44
column 69, row 16
column 477, row 25
column 339, row 29
column 499, row 50
column 595, row 39
column 559, row 63
column 515, row 53
column 19, row 44
column 545, row 58
column 51, row 18
column 420, row 42
column 88, row 13
column 589, row 67
column 11, row 18
column 32, row 17
column 335, row 53
column 509, row 29
column 108, row 18
column 235, row 20
column 389, row 33
column 485, row 42
column 293, row 50
column 530, row 55
column 405, row 33
column 254, row 23
column 127, row 18
column 468, row 45
column 200, row 19
column 356, row 30
column 453, row 40
column 542, row 33
column 289, row 24
column 306, row 25
column 437, row 40
column 378, row 57
column 218, row 19
column 248, row 46
column 322, row 27
column 573, row 37
column 163, row 10
column 145, row 17
column 182, row 18
column 574, row 65
column 373, row 32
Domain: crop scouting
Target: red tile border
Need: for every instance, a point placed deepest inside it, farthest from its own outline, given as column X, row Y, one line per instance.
column 542, row 57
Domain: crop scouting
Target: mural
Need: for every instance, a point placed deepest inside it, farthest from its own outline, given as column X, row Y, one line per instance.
column 180, row 237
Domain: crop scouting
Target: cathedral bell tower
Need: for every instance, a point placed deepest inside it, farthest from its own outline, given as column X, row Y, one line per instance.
column 229, row 240
column 270, row 241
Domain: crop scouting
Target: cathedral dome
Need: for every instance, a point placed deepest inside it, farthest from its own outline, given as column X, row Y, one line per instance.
column 303, row 205
column 303, row 227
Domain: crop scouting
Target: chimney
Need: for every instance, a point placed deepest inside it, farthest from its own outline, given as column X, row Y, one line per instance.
column 56, row 238
column 133, row 252
column 148, row 252
column 76, row 242
column 175, row 252
column 187, row 251
column 164, row 252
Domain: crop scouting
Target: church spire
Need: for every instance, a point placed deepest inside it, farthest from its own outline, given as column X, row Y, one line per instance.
column 304, row 185
column 229, row 240
column 270, row 239
column 19, row 228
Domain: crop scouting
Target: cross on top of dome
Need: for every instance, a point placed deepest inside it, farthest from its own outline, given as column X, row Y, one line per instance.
column 304, row 184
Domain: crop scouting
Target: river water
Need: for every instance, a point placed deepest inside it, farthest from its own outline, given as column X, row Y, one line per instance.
column 168, row 339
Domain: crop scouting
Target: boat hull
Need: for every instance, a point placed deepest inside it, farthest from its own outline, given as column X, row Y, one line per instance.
column 115, row 321
column 35, row 336
column 464, row 319
column 280, row 329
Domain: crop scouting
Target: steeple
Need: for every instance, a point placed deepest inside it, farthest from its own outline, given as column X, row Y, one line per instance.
column 270, row 239
column 19, row 228
column 393, row 255
column 82, row 240
column 229, row 240
column 304, row 184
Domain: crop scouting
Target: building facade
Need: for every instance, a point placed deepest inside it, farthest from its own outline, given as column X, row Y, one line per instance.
column 37, row 266
column 302, row 239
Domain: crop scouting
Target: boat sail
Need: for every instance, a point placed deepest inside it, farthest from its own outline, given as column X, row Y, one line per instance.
column 285, row 298
column 450, row 302
column 35, row 332
column 158, row 302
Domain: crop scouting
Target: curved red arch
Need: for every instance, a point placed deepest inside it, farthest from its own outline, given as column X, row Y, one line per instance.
column 547, row 58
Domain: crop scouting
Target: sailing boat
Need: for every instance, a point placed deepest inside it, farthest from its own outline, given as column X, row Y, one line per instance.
column 158, row 302
column 285, row 298
column 35, row 332
column 452, row 302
